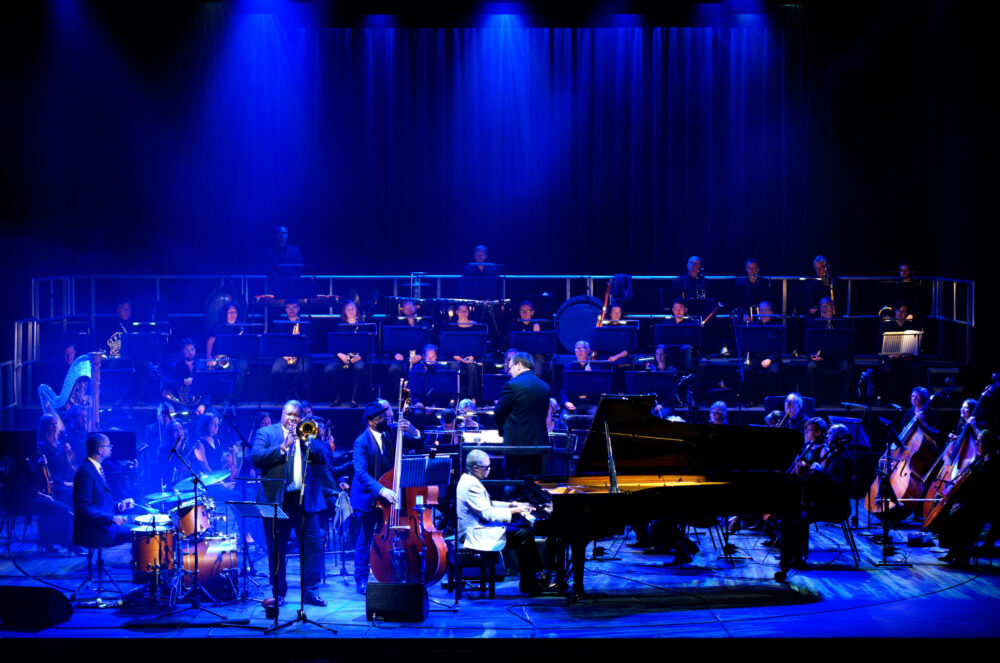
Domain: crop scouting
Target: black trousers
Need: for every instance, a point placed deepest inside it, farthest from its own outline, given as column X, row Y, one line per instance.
column 367, row 521
column 277, row 533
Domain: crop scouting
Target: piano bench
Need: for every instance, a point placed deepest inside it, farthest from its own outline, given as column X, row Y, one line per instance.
column 484, row 560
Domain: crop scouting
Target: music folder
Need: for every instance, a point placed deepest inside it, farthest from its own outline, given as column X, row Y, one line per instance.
column 586, row 382
column 244, row 346
column 613, row 339
column 284, row 345
column 463, row 344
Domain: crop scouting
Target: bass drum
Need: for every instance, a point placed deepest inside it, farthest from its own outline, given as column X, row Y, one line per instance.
column 575, row 318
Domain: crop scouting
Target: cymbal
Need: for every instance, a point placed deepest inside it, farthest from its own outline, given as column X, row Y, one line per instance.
column 148, row 509
column 208, row 479
column 159, row 497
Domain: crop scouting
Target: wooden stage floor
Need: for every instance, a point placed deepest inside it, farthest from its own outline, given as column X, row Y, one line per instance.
column 634, row 596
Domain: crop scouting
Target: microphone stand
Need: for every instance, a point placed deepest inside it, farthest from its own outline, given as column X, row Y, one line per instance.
column 196, row 588
column 247, row 569
column 741, row 379
column 300, row 616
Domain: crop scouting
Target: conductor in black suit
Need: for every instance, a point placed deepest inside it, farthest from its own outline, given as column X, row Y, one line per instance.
column 97, row 523
column 520, row 415
column 281, row 455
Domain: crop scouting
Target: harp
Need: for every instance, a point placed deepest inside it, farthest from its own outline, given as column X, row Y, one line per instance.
column 82, row 386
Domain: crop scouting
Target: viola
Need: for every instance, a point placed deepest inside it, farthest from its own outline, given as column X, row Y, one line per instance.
column 407, row 546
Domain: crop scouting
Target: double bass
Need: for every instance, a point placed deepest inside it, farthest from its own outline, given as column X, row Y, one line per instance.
column 907, row 466
column 407, row 546
column 958, row 458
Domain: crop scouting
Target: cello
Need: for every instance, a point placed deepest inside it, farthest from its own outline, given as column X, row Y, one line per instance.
column 407, row 547
column 959, row 457
column 906, row 468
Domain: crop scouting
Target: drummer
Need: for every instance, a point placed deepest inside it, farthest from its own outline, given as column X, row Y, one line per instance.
column 97, row 523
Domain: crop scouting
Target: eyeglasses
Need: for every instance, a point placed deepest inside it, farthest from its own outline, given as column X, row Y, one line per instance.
column 485, row 468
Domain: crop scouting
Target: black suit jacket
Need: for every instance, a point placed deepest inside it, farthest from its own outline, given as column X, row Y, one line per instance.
column 369, row 466
column 521, row 411
column 266, row 455
column 93, row 511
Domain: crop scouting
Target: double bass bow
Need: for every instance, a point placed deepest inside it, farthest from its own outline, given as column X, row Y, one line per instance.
column 407, row 547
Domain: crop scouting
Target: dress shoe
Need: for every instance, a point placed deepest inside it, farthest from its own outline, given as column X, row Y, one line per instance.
column 362, row 587
column 681, row 558
column 269, row 602
column 312, row 599
column 531, row 588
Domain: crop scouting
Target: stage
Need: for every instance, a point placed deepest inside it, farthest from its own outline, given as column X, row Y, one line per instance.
column 632, row 595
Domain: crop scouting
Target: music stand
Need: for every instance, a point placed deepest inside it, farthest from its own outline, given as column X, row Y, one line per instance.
column 493, row 385
column 613, row 339
column 441, row 385
column 534, row 342
column 403, row 338
column 463, row 344
column 901, row 343
column 360, row 328
column 760, row 339
column 829, row 340
column 239, row 346
column 114, row 383
column 586, row 382
column 220, row 382
column 147, row 346
column 479, row 288
column 356, row 343
column 684, row 333
column 254, row 510
column 286, row 327
column 661, row 383
column 284, row 345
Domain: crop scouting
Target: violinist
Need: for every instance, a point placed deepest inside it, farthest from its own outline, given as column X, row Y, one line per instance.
column 59, row 457
column 827, row 469
column 346, row 369
column 32, row 490
column 279, row 454
column 921, row 410
column 974, row 505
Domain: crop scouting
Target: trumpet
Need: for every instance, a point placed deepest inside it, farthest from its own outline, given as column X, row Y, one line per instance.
column 307, row 429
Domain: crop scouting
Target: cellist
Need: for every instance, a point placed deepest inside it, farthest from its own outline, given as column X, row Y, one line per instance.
column 965, row 419
column 922, row 411
column 974, row 502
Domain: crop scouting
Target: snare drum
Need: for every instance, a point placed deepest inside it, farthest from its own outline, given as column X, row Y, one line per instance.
column 190, row 520
column 158, row 520
column 152, row 550
column 217, row 563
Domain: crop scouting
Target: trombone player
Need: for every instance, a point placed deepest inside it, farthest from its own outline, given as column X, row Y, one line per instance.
column 282, row 453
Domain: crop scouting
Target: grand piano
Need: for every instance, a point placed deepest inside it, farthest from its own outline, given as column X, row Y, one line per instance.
column 663, row 469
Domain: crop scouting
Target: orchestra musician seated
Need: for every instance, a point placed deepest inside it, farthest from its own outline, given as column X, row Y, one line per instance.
column 485, row 525
column 718, row 413
column 525, row 322
column 97, row 523
column 794, row 418
column 923, row 411
column 346, row 371
column 830, row 364
column 469, row 364
column 479, row 265
column 292, row 370
column 752, row 290
column 579, row 403
column 230, row 326
column 827, row 469
column 899, row 371
column 974, row 506
column 762, row 370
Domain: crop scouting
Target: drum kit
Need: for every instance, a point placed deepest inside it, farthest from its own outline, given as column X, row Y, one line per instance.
column 165, row 545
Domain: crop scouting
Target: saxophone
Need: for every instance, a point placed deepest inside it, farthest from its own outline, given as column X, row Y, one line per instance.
column 115, row 345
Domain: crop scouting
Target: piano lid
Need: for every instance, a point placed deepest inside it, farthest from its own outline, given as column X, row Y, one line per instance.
column 644, row 444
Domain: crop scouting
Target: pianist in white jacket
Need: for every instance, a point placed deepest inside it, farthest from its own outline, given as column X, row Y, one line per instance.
column 486, row 525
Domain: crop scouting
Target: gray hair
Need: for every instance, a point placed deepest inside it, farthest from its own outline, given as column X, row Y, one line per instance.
column 476, row 457
column 795, row 399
